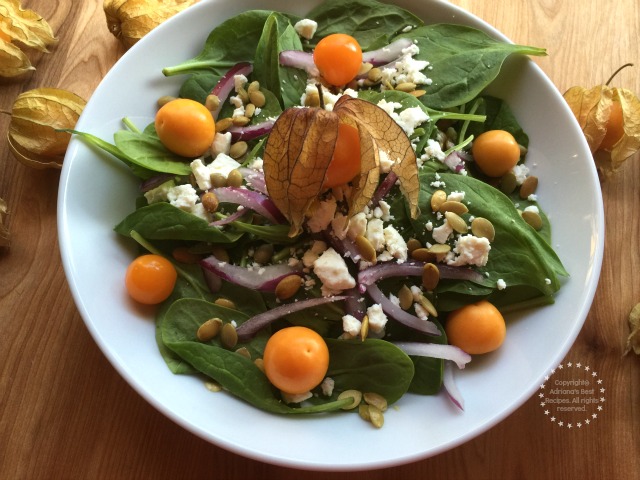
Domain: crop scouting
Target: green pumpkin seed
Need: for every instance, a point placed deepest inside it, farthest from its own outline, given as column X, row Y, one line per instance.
column 228, row 336
column 456, row 222
column 288, row 287
column 413, row 244
column 423, row 255
column 430, row 276
column 238, row 149
column 528, row 187
column 376, row 400
column 365, row 248
column 263, row 253
column 428, row 306
column 257, row 98
column 225, row 302
column 406, row 297
column 453, row 206
column 406, row 87
column 532, row 218
column 212, row 102
column 210, row 202
column 355, row 395
column 162, row 101
column 437, row 199
column 508, row 183
column 376, row 417
column 244, row 351
column 223, row 124
column 209, row 329
column 481, row 227
column 234, row 179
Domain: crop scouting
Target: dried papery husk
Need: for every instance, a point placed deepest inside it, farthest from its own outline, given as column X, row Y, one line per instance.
column 301, row 145
column 130, row 20
column 633, row 341
column 592, row 109
column 36, row 117
column 18, row 27
column 4, row 231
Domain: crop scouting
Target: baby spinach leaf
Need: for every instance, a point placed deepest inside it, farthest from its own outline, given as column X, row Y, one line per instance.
column 372, row 23
column 277, row 234
column 370, row 366
column 198, row 86
column 147, row 151
column 464, row 61
column 498, row 117
column 519, row 255
column 287, row 84
column 163, row 221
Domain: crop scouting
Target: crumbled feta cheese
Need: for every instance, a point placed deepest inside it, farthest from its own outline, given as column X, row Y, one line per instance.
column 417, row 293
column 532, row 198
column 322, row 215
column 386, row 211
column 501, row 284
column 199, row 211
column 351, row 325
column 238, row 112
column 455, row 196
column 257, row 164
column 236, row 101
column 327, row 386
column 183, row 196
column 429, row 226
column 408, row 119
column 239, row 81
column 421, row 312
column 385, row 256
column 385, row 162
column 532, row 208
column 332, row 271
column 221, row 144
column 340, row 225
column 306, row 28
column 375, row 234
column 433, row 149
column 377, row 318
column 313, row 253
column 407, row 69
column 396, row 245
column 295, row 397
column 441, row 234
column 470, row 250
column 357, row 225
column 547, row 281
column 159, row 194
column 521, row 172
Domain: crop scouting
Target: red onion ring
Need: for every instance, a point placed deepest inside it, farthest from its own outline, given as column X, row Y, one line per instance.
column 435, row 350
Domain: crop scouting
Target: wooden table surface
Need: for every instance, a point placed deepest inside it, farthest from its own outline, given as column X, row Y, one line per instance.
column 66, row 413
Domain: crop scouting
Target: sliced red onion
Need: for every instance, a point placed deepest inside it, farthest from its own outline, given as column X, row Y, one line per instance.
column 256, row 323
column 256, row 201
column 263, row 279
column 251, row 131
column 299, row 59
column 214, row 282
column 405, row 318
column 380, row 271
column 387, row 54
column 435, row 350
column 383, row 188
column 227, row 84
column 254, row 179
column 450, row 386
column 230, row 218
column 155, row 181
column 454, row 161
column 354, row 303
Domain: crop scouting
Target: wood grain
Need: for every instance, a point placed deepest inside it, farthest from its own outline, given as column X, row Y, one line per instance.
column 66, row 413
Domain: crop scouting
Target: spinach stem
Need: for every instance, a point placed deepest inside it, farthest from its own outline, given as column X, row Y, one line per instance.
column 184, row 274
column 253, row 153
column 465, row 125
column 130, row 125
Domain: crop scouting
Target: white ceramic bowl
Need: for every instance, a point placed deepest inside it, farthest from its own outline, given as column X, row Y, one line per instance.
column 96, row 193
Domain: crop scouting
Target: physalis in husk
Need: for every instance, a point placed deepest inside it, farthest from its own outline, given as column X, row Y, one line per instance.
column 21, row 27
column 610, row 120
column 633, row 341
column 301, row 147
column 130, row 20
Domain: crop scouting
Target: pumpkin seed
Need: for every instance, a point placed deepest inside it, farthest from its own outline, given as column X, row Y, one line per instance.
column 376, row 400
column 437, row 199
column 257, row 98
column 528, row 187
column 238, row 149
column 430, row 276
column 456, row 222
column 508, row 183
column 244, row 351
column 288, row 287
column 365, row 248
column 428, row 306
column 210, row 202
column 225, row 302
column 453, row 206
column 405, row 295
column 406, row 87
column 413, row 244
column 532, row 218
column 218, row 180
column 253, row 87
column 223, row 124
column 209, row 329
column 374, row 75
column 312, row 99
column 365, row 68
column 363, row 411
column 162, row 101
column 263, row 253
column 212, row 102
column 423, row 255
column 234, row 179
column 249, row 110
column 259, row 362
column 243, row 95
column 213, row 386
column 356, row 395
column 481, row 227
column 523, row 150
column 221, row 254
column 364, row 328
column 376, row 417
column 440, row 251
column 418, row 93
column 240, row 120
column 228, row 336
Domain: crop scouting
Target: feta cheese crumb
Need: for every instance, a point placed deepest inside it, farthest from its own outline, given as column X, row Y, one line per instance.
column 183, row 196
column 313, row 253
column 377, row 318
column 323, row 215
column 332, row 271
column 327, row 386
column 547, row 281
column 306, row 28
column 385, row 162
column 357, row 225
column 532, row 208
column 239, row 81
column 470, row 250
column 351, row 325
column 501, row 284
column 295, row 397
column 396, row 245
column 455, row 196
column 521, row 172
column 375, row 234
column 223, row 164
column 221, row 144
column 532, row 198
column 441, row 234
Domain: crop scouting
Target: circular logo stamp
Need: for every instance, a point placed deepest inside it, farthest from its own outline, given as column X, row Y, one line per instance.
column 572, row 396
